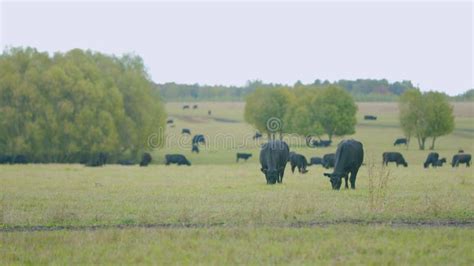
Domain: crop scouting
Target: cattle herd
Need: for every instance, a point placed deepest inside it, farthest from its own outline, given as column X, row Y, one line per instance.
column 275, row 154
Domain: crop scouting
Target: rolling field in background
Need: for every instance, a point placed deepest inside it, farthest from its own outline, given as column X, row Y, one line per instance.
column 219, row 211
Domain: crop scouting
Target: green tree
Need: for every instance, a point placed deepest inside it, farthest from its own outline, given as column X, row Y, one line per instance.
column 266, row 110
column 424, row 116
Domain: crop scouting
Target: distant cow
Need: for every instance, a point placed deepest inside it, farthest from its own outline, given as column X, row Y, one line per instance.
column 146, row 159
column 431, row 159
column 440, row 162
column 244, row 156
column 195, row 106
column 97, row 159
column 178, row 159
column 329, row 160
column 462, row 158
column 195, row 148
column 370, row 117
column 316, row 161
column 394, row 157
column 400, row 141
column 186, row 131
column 6, row 159
column 273, row 158
column 257, row 135
column 125, row 162
column 169, row 121
column 185, row 107
column 199, row 138
column 460, row 151
column 321, row 143
column 209, row 112
column 298, row 160
column 349, row 157
column 20, row 159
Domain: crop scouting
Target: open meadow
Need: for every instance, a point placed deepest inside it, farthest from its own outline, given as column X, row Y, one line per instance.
column 218, row 211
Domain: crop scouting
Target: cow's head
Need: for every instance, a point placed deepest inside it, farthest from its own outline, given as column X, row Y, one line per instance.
column 335, row 180
column 405, row 164
column 270, row 175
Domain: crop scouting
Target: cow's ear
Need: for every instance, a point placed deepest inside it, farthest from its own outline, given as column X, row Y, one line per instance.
column 327, row 174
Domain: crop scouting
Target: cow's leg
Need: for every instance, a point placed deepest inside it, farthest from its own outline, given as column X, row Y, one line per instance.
column 280, row 179
column 293, row 166
column 345, row 180
column 353, row 178
column 468, row 164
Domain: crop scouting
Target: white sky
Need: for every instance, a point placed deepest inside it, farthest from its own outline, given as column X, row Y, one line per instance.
column 430, row 43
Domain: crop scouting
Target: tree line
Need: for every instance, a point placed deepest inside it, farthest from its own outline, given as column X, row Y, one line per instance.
column 308, row 111
column 69, row 106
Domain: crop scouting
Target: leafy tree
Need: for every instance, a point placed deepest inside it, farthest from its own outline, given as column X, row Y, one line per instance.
column 425, row 115
column 266, row 110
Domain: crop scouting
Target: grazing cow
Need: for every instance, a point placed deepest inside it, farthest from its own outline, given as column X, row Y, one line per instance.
column 461, row 158
column 126, row 162
column 178, row 159
column 186, row 131
column 6, row 159
column 244, row 156
column 257, row 135
column 460, row 151
column 298, row 160
column 440, row 162
column 349, row 157
column 169, row 121
column 98, row 159
column 209, row 112
column 273, row 158
column 185, row 107
column 321, row 143
column 431, row 159
column 20, row 159
column 146, row 159
column 400, row 141
column 195, row 148
column 394, row 157
column 195, row 106
column 370, row 117
column 329, row 160
column 199, row 138
column 315, row 161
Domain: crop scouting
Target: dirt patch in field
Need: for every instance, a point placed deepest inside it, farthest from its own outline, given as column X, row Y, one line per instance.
column 444, row 223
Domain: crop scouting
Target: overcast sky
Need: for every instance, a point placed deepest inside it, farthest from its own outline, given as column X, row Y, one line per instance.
column 429, row 43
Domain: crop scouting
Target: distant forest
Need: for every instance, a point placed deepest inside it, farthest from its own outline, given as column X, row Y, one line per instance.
column 360, row 89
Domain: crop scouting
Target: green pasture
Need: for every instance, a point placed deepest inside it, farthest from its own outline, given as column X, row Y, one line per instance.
column 218, row 211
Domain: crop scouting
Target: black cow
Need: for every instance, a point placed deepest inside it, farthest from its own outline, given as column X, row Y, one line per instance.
column 257, row 135
column 195, row 148
column 209, row 112
column 460, row 151
column 146, row 159
column 329, row 160
column 400, row 141
column 315, row 161
column 20, row 159
column 126, row 162
column 321, row 143
column 273, row 158
column 244, row 156
column 195, row 106
column 6, row 159
column 461, row 158
column 199, row 138
column 370, row 117
column 169, row 121
column 431, row 159
column 298, row 160
column 185, row 107
column 440, row 162
column 349, row 157
column 178, row 159
column 98, row 159
column 186, row 131
column 394, row 157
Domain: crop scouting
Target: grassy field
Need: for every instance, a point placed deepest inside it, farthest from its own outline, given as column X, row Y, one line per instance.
column 218, row 211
